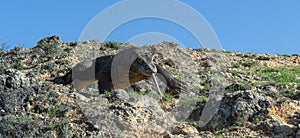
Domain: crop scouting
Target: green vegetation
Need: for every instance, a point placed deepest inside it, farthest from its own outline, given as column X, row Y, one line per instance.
column 136, row 94
column 244, row 64
column 112, row 44
column 168, row 96
column 273, row 75
column 279, row 77
column 249, row 63
column 240, row 121
column 62, row 126
column 22, row 119
column 18, row 65
column 51, row 112
column 286, row 55
column 68, row 50
column 2, row 70
column 204, row 98
column 18, row 125
column 54, row 111
column 106, row 94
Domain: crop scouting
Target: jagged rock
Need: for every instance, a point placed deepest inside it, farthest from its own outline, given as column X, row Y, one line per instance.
column 270, row 88
column 282, row 118
column 263, row 57
column 120, row 95
column 141, row 114
column 187, row 131
column 237, row 87
column 49, row 40
column 277, row 128
column 15, row 79
column 238, row 108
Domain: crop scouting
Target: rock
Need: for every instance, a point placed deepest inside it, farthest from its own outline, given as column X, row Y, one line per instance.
column 239, row 108
column 263, row 57
column 294, row 121
column 270, row 88
column 49, row 40
column 119, row 95
column 297, row 135
column 282, row 119
column 297, row 96
column 187, row 131
column 141, row 114
column 237, row 87
column 16, row 79
column 277, row 128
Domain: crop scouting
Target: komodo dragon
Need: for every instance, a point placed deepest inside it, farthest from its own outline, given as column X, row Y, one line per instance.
column 110, row 72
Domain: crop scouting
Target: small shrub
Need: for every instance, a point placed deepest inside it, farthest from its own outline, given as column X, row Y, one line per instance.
column 18, row 65
column 236, row 65
column 112, row 44
column 62, row 126
column 249, row 63
column 106, row 94
column 168, row 96
column 68, row 50
column 204, row 98
column 285, row 55
column 244, row 64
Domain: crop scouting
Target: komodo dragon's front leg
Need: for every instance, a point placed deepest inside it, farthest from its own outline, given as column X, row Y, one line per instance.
column 104, row 79
column 175, row 86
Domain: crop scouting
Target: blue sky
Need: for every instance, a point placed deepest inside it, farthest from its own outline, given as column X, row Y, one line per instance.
column 269, row 26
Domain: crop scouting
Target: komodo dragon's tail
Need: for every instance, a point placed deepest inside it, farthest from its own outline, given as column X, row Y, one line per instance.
column 66, row 79
column 78, row 83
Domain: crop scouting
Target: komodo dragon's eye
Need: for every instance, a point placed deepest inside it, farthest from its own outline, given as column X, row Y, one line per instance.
column 139, row 60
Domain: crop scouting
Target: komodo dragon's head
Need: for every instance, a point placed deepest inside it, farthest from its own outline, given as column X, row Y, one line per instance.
column 144, row 64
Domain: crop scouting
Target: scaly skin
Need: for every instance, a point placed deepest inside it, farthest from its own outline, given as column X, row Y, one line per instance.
column 141, row 68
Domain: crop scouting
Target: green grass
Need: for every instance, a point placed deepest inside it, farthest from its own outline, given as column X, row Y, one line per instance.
column 24, row 119
column 278, row 75
column 136, row 94
column 204, row 98
column 168, row 96
column 62, row 126
column 273, row 75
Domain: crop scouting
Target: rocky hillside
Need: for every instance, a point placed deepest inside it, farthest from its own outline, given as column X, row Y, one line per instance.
column 228, row 94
